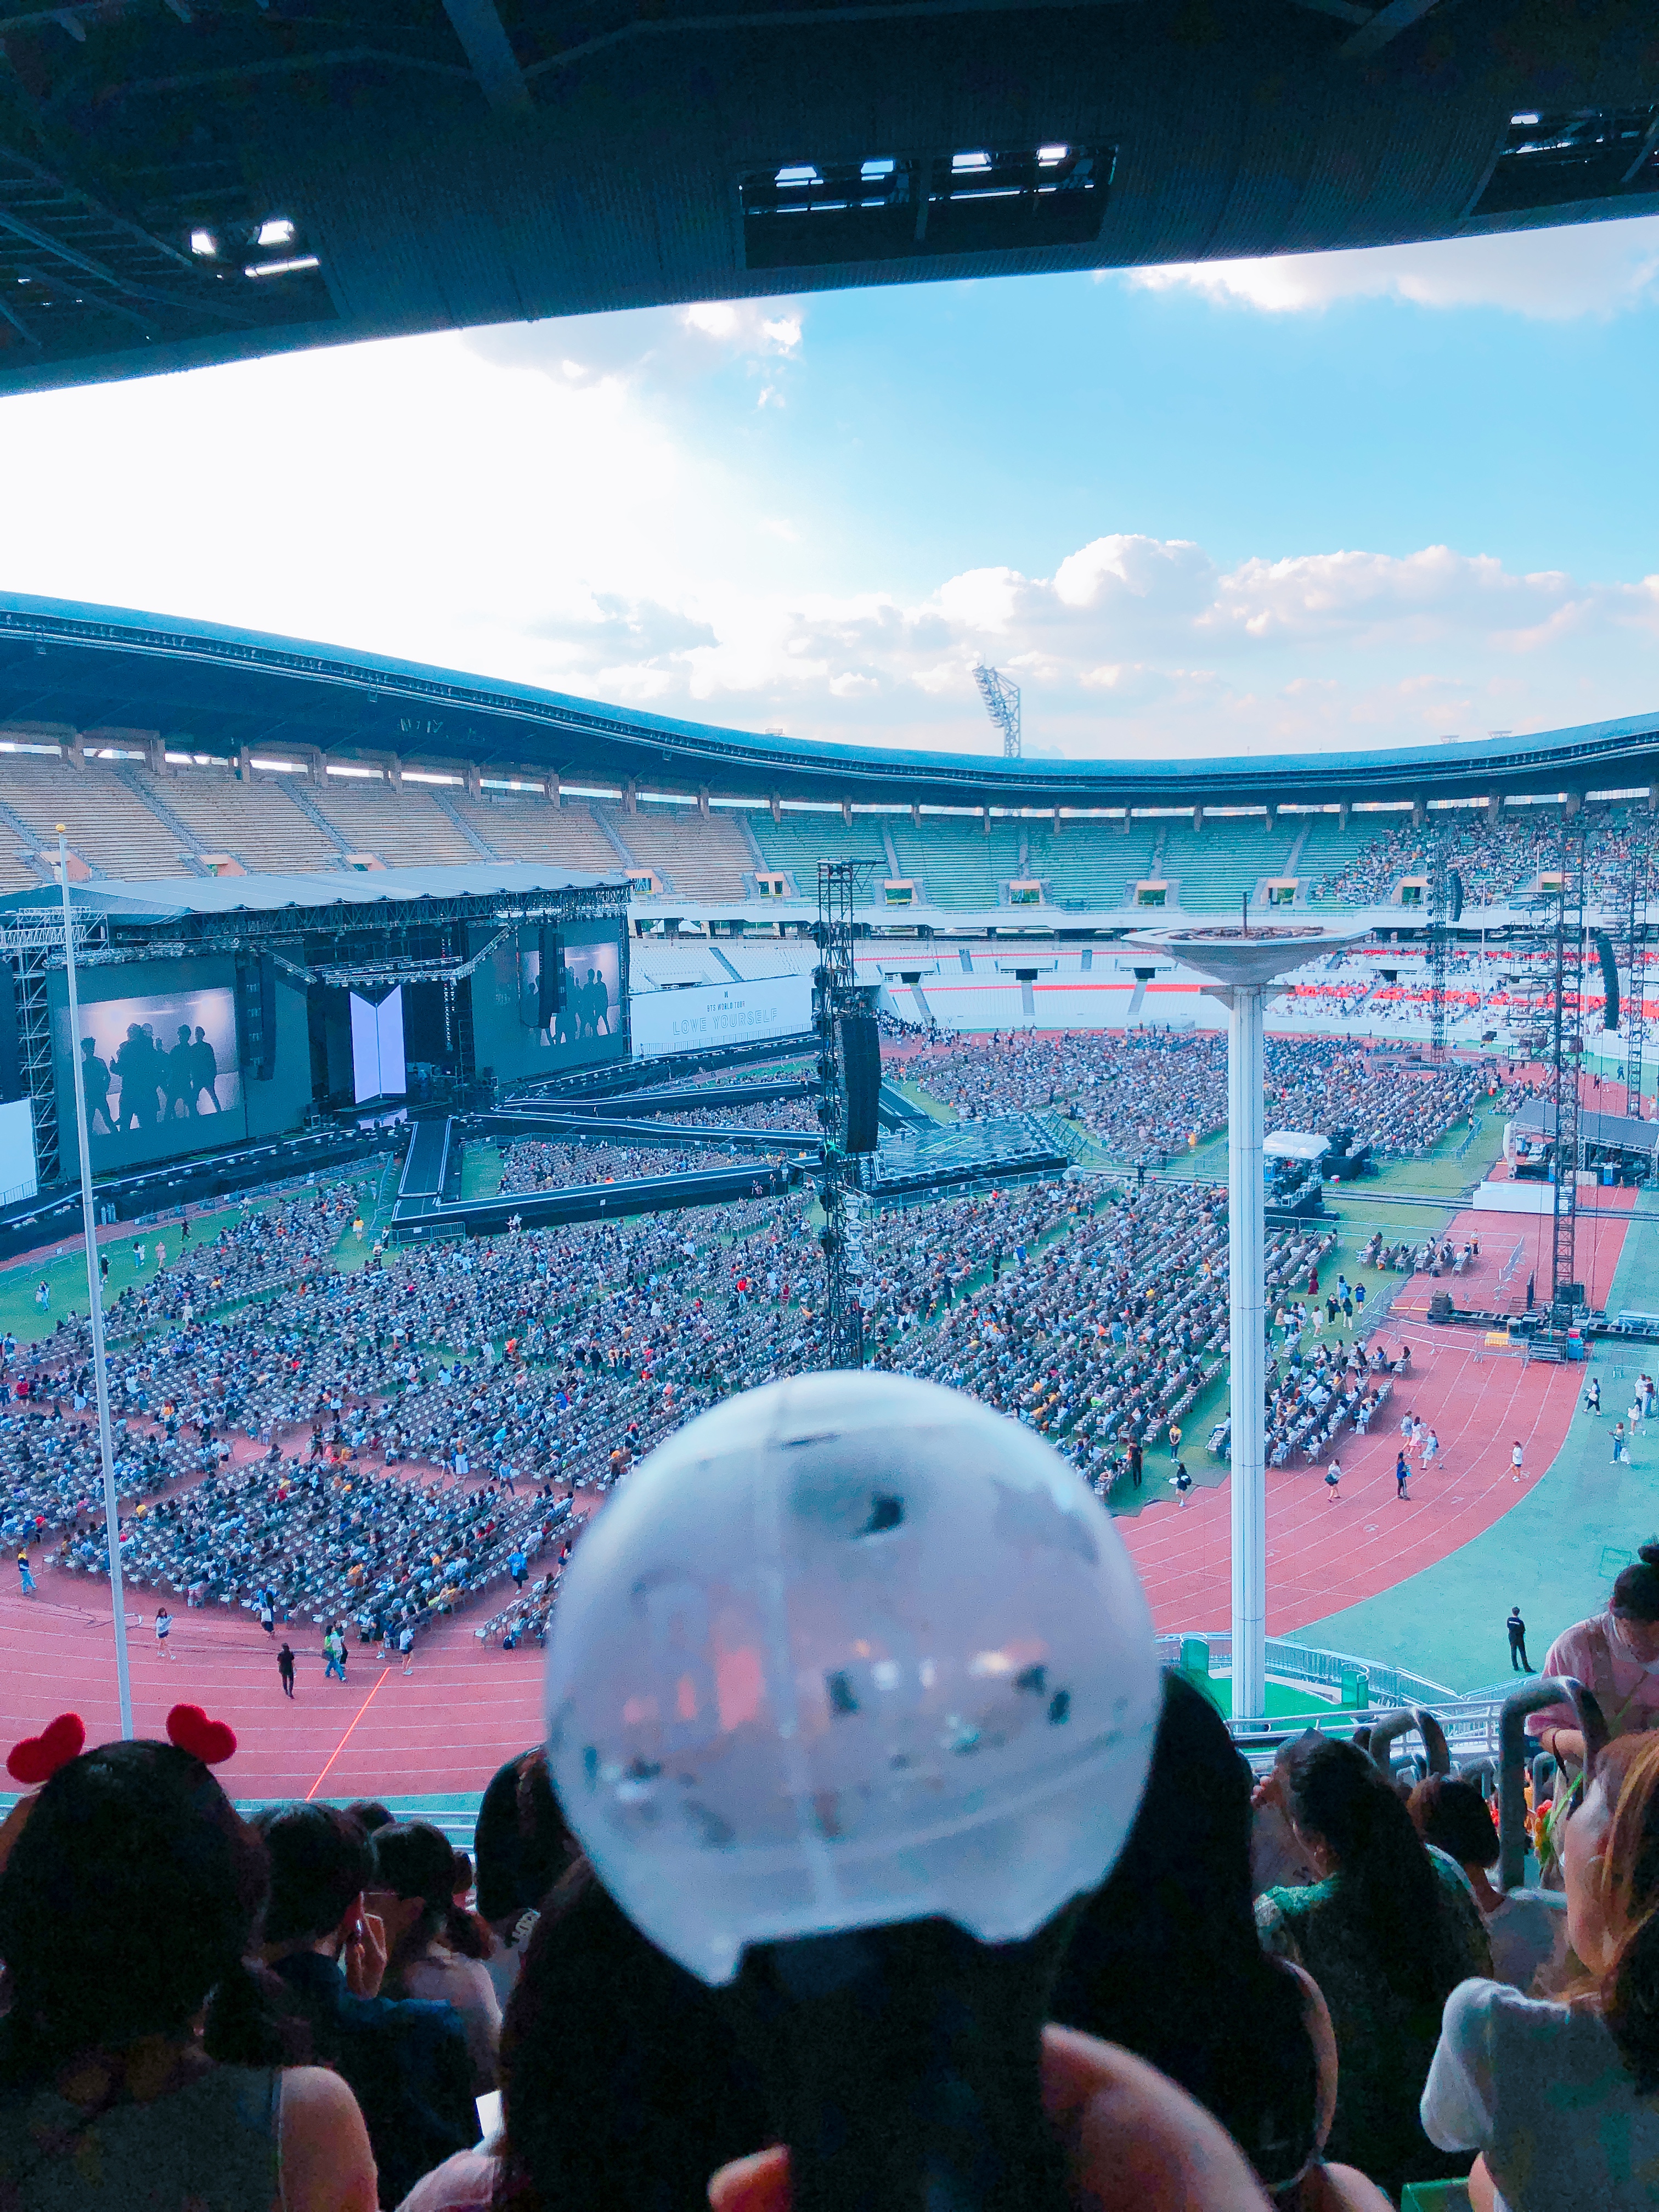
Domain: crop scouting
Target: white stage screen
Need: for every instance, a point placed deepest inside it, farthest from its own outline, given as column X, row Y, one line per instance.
column 18, row 1178
column 719, row 1013
column 377, row 1067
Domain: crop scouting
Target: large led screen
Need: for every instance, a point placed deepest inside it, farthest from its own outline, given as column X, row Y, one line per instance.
column 592, row 1022
column 156, row 1075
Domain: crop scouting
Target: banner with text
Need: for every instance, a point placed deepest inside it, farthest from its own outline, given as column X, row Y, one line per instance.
column 719, row 1013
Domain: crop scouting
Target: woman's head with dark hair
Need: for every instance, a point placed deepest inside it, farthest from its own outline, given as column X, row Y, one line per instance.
column 1355, row 1827
column 321, row 1865
column 1454, row 1818
column 1635, row 1601
column 413, row 1890
column 132, row 1889
column 604, row 2025
column 370, row 1814
column 522, row 1843
column 1166, row 1958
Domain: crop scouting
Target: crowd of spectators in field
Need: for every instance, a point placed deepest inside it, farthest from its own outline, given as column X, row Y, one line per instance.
column 1152, row 1093
column 552, row 1163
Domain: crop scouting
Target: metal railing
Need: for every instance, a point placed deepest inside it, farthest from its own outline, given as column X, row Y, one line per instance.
column 1386, row 1686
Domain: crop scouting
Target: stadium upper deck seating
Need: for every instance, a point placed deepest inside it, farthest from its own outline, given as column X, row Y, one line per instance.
column 256, row 822
column 406, row 831
column 699, row 860
column 956, row 861
column 523, row 827
column 125, row 820
column 1225, row 860
column 110, row 826
column 800, row 839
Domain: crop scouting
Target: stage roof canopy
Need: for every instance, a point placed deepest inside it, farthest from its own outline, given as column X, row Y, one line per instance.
column 172, row 898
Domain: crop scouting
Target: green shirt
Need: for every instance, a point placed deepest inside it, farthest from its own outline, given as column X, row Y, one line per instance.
column 1384, row 2040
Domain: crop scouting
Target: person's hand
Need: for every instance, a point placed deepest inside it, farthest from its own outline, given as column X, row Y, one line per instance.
column 1270, row 1790
column 365, row 1956
column 1134, row 2141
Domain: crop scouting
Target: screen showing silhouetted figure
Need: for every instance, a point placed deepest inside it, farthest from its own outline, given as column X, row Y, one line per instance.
column 153, row 1069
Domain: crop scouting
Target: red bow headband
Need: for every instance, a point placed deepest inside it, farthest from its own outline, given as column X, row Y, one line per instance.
column 38, row 1757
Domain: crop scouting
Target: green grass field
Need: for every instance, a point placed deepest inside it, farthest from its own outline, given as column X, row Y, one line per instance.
column 66, row 1276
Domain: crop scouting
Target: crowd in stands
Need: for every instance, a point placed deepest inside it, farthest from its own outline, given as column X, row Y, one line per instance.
column 1162, row 1091
column 1499, row 861
column 1295, row 1988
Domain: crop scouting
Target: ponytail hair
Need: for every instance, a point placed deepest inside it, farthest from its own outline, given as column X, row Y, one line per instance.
column 1636, row 1592
column 1629, row 1987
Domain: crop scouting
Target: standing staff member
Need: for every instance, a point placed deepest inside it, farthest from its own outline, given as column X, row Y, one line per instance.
column 285, row 1669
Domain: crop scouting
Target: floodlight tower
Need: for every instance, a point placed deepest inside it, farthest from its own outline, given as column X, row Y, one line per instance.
column 1239, row 964
column 1001, row 699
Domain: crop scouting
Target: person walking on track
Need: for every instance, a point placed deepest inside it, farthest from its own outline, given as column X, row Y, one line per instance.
column 163, row 1630
column 1518, row 1628
column 25, row 1580
column 1401, row 1473
column 334, row 1651
column 1333, row 1482
column 285, row 1669
column 406, row 1645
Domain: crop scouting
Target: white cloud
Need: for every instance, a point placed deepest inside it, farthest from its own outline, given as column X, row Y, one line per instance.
column 1138, row 645
column 1552, row 274
column 422, row 500
column 652, row 346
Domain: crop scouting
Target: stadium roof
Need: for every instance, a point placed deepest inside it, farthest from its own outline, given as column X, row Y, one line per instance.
column 111, row 676
column 205, row 180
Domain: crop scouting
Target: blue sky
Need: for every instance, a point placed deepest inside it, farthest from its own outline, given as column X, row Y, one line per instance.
column 1346, row 500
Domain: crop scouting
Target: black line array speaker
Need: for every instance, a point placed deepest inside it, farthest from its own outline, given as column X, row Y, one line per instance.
column 861, row 1080
column 1604, row 953
column 1454, row 895
column 256, row 1015
column 12, row 1085
column 550, row 983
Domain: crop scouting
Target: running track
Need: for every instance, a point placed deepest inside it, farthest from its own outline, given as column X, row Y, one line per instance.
column 466, row 1707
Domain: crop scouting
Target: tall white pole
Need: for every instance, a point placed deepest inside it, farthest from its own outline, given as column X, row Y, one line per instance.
column 95, row 1294
column 1246, row 1326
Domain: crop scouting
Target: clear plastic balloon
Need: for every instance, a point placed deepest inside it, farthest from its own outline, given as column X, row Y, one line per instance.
column 848, row 1650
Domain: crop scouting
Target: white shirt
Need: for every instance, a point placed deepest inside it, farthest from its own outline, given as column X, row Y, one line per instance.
column 1541, row 2091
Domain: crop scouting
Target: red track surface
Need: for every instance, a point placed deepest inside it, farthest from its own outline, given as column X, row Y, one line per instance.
column 1322, row 1557
column 445, row 1727
column 465, row 1708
